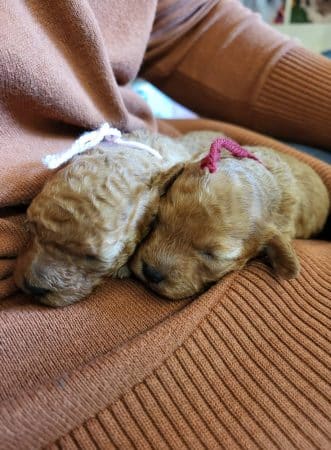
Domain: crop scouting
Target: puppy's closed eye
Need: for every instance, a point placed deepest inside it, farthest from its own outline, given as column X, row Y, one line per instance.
column 221, row 254
column 91, row 258
column 150, row 227
column 154, row 220
column 208, row 254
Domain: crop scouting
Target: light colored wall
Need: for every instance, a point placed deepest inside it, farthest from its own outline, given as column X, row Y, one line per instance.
column 316, row 37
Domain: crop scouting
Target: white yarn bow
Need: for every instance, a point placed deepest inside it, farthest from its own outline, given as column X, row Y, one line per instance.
column 89, row 140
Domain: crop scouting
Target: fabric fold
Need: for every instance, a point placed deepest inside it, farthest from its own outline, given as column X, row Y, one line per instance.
column 245, row 363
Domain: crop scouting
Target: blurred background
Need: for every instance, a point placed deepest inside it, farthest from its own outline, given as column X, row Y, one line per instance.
column 309, row 21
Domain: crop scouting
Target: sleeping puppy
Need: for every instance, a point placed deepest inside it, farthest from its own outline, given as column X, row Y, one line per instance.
column 89, row 217
column 210, row 224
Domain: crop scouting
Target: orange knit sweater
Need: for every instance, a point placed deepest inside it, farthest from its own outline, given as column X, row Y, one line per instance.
column 246, row 365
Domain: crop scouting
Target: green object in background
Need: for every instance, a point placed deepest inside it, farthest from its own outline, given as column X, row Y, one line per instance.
column 298, row 14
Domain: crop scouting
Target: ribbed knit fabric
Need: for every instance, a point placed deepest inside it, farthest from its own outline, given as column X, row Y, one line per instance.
column 252, row 374
column 233, row 67
column 294, row 99
column 249, row 368
column 247, row 364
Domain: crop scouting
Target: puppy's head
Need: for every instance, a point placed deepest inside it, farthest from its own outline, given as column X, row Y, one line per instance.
column 54, row 275
column 82, row 231
column 209, row 225
column 73, row 248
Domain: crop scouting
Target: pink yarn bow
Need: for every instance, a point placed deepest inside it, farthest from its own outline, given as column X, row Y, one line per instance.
column 214, row 154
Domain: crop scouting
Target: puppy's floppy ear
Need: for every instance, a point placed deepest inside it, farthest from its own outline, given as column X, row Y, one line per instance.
column 282, row 255
column 164, row 179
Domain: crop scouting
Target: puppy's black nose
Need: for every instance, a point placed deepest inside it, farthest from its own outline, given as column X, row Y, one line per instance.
column 151, row 274
column 35, row 290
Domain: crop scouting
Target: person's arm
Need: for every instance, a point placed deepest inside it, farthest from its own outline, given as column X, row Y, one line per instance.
column 223, row 62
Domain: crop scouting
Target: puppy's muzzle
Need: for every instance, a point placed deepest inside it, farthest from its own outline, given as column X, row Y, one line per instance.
column 151, row 274
column 35, row 290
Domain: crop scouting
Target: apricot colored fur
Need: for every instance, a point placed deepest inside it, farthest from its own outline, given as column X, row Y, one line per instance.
column 211, row 224
column 91, row 214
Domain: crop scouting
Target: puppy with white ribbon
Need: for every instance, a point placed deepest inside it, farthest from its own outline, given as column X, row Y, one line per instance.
column 89, row 140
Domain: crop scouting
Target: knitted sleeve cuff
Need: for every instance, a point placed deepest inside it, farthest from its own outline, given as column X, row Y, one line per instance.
column 297, row 93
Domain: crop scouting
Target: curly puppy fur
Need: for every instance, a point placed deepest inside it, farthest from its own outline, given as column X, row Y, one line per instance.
column 211, row 224
column 90, row 215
